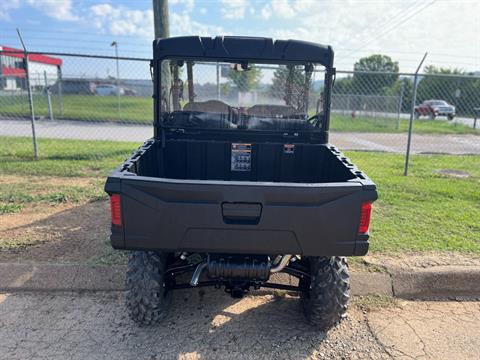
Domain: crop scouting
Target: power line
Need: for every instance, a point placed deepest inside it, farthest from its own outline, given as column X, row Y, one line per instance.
column 69, row 40
column 389, row 20
column 394, row 26
column 72, row 32
column 146, row 45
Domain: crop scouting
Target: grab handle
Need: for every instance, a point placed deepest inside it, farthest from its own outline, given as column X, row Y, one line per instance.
column 241, row 213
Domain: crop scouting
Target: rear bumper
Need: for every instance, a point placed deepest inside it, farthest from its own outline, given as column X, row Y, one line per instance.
column 240, row 217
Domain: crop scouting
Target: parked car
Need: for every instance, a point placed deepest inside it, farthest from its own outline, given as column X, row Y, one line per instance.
column 434, row 108
column 74, row 86
column 230, row 195
column 109, row 90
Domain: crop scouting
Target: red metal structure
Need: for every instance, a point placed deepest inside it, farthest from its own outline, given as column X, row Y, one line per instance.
column 13, row 69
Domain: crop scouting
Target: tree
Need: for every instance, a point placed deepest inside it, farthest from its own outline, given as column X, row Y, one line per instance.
column 245, row 80
column 343, row 85
column 375, row 83
column 289, row 83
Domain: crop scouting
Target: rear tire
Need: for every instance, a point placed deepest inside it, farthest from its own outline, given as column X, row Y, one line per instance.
column 147, row 298
column 450, row 117
column 325, row 295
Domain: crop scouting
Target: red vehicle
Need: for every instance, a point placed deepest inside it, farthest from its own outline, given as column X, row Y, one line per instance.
column 434, row 108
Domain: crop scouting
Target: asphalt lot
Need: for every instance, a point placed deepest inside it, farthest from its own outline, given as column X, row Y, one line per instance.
column 421, row 143
column 209, row 324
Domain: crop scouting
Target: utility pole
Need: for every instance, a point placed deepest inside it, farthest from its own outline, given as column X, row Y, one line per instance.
column 162, row 31
column 160, row 19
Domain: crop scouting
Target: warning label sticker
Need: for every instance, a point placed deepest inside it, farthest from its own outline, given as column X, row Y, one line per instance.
column 241, row 157
column 288, row 148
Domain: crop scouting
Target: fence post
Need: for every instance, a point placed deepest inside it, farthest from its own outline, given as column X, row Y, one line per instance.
column 60, row 89
column 400, row 103
column 32, row 109
column 118, row 77
column 30, row 97
column 412, row 110
column 49, row 98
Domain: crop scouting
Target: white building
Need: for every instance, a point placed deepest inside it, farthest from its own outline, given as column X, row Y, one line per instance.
column 12, row 75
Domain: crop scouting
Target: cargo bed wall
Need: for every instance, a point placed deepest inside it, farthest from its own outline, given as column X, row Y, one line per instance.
column 211, row 160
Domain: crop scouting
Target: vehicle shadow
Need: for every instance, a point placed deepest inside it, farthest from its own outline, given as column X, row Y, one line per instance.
column 202, row 324
column 207, row 323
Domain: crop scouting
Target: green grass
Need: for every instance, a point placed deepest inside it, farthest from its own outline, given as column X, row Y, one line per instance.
column 425, row 211
column 40, row 182
column 135, row 109
column 14, row 196
column 10, row 208
column 390, row 125
column 62, row 157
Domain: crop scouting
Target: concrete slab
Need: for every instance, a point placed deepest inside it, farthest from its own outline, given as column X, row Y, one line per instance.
column 428, row 330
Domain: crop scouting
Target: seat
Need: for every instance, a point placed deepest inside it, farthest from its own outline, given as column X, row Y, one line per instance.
column 209, row 106
column 271, row 111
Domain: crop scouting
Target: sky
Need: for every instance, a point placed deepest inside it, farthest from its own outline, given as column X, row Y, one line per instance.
column 449, row 30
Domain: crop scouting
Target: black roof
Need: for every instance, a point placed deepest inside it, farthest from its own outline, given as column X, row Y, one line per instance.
column 240, row 47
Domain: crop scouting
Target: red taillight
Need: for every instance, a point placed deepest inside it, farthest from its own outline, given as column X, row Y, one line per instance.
column 115, row 207
column 365, row 218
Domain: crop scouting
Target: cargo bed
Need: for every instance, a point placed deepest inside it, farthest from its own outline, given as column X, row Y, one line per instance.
column 245, row 197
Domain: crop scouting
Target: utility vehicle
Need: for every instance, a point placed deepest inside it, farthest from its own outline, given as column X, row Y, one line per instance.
column 239, row 181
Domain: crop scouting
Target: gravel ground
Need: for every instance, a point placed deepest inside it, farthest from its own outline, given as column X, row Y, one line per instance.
column 209, row 324
column 202, row 324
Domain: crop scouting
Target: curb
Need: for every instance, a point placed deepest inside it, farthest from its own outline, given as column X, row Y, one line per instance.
column 442, row 281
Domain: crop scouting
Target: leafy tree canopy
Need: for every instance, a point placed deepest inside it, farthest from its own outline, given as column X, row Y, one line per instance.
column 375, row 83
column 245, row 80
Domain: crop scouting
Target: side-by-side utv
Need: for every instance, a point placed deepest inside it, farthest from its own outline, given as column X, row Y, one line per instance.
column 239, row 181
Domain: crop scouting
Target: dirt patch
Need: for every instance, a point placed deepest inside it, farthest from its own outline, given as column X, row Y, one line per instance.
column 64, row 233
column 454, row 173
column 50, row 180
column 30, row 214
column 422, row 260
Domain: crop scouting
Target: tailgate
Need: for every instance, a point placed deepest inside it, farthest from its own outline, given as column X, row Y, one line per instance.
column 240, row 217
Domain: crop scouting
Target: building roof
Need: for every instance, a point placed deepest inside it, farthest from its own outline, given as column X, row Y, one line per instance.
column 38, row 58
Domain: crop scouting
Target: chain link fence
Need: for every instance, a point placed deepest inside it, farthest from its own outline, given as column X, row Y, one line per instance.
column 76, row 97
column 65, row 96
